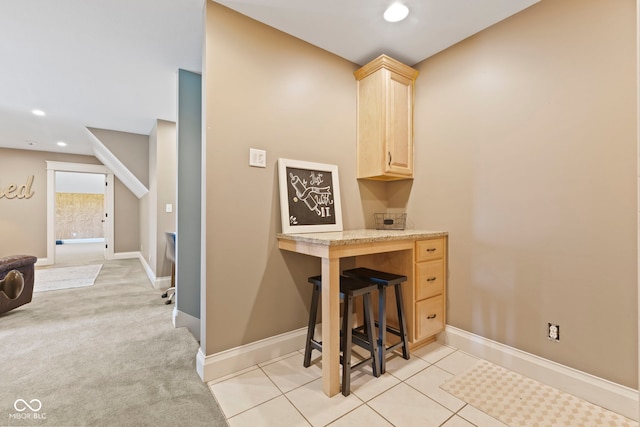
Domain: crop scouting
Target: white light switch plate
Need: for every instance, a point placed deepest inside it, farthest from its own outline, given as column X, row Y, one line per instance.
column 168, row 208
column 257, row 158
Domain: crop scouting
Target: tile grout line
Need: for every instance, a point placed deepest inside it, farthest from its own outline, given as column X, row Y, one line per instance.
column 285, row 394
column 379, row 414
column 366, row 403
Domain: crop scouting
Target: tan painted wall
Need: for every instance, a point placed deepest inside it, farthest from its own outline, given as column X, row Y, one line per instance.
column 526, row 153
column 23, row 222
column 154, row 220
column 165, row 187
column 148, row 202
column 132, row 150
column 126, row 224
column 24, row 225
column 143, row 218
column 267, row 90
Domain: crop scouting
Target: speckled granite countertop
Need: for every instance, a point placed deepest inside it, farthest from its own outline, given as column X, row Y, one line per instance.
column 350, row 237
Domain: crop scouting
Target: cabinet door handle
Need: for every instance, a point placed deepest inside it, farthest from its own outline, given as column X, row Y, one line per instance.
column 389, row 158
column 431, row 250
column 431, row 316
column 431, row 279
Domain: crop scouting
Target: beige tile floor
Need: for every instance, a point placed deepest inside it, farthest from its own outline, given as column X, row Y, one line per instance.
column 281, row 392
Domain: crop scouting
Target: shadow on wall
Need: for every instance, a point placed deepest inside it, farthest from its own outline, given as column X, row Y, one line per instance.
column 383, row 196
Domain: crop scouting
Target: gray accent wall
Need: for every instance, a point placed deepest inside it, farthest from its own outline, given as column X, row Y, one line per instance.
column 189, row 131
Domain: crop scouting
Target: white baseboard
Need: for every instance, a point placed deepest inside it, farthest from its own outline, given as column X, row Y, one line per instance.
column 43, row 261
column 238, row 358
column 601, row 392
column 184, row 320
column 120, row 255
column 163, row 282
column 88, row 240
column 126, row 255
column 147, row 268
column 157, row 282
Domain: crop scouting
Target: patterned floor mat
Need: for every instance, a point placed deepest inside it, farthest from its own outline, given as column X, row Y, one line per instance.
column 519, row 401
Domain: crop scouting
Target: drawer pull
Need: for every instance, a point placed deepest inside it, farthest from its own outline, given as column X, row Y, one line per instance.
column 431, row 249
column 431, row 316
column 431, row 279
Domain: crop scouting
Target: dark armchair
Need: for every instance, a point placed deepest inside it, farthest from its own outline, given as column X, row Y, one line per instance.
column 16, row 289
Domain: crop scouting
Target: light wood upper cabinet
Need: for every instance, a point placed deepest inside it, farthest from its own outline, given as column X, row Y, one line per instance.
column 385, row 119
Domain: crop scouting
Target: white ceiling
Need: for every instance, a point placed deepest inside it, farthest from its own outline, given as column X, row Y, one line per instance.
column 355, row 29
column 112, row 64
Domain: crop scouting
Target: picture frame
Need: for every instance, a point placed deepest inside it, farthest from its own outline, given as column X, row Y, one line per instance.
column 309, row 196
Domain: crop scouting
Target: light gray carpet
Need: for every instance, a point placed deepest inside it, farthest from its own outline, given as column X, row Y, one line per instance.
column 105, row 355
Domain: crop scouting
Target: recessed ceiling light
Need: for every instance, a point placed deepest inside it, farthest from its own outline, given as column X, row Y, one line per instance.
column 396, row 12
column 38, row 112
column 62, row 144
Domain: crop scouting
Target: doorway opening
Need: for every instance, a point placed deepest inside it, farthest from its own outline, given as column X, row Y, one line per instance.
column 79, row 213
column 79, row 219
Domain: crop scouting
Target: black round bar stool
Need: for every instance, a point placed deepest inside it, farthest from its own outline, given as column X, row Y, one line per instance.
column 383, row 280
column 349, row 290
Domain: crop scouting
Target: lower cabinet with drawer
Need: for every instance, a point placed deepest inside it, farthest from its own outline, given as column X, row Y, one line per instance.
column 429, row 317
column 424, row 293
column 430, row 289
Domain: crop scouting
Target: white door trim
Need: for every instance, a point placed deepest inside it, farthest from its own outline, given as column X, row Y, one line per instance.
column 52, row 168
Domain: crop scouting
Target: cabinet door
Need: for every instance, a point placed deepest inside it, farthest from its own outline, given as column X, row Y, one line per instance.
column 399, row 138
column 429, row 317
column 371, row 128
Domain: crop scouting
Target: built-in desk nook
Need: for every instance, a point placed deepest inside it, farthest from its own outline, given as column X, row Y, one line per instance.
column 420, row 255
